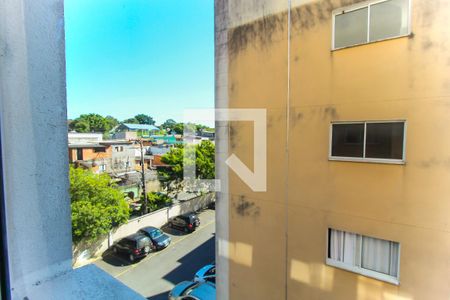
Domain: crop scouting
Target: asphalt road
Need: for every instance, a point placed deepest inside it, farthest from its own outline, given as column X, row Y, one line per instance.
column 154, row 276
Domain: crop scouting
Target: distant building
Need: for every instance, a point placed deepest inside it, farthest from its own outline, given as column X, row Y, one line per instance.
column 92, row 156
column 164, row 139
column 125, row 135
column 207, row 134
column 123, row 156
column 89, row 150
column 77, row 137
column 157, row 163
column 195, row 139
column 124, row 130
column 158, row 150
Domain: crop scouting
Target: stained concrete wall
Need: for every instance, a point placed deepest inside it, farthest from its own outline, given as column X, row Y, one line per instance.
column 277, row 239
column 33, row 105
column 35, row 177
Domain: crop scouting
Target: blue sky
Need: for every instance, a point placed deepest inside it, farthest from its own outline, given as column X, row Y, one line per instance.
column 126, row 57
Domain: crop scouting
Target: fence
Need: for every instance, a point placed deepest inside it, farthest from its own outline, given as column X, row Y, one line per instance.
column 84, row 251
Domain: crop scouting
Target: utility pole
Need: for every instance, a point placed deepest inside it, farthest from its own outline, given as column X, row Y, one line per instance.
column 144, row 205
column 141, row 145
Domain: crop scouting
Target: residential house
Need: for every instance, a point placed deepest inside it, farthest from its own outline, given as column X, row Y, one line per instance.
column 357, row 95
column 89, row 150
column 130, row 131
column 207, row 134
column 86, row 151
column 122, row 156
column 82, row 138
column 164, row 139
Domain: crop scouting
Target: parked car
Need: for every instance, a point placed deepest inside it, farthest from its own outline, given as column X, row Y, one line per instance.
column 212, row 205
column 207, row 273
column 159, row 239
column 133, row 246
column 191, row 290
column 187, row 222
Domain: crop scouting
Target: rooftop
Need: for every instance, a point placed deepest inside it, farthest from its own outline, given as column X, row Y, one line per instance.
column 140, row 126
column 116, row 142
column 85, row 145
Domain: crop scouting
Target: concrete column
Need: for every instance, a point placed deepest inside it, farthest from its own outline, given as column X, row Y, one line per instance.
column 221, row 101
column 35, row 159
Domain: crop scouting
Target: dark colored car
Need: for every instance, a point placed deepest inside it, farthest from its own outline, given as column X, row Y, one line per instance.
column 187, row 222
column 212, row 205
column 134, row 246
column 159, row 239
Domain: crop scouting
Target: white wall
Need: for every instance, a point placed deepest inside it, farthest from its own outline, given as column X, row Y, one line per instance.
column 34, row 131
column 81, row 138
column 33, row 124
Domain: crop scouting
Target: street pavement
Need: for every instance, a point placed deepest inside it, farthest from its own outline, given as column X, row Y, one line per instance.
column 154, row 276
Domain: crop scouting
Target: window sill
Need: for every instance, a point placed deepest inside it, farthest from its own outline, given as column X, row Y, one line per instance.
column 364, row 272
column 373, row 42
column 87, row 282
column 369, row 160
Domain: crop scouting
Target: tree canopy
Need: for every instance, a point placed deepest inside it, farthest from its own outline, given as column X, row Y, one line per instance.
column 168, row 124
column 156, row 200
column 97, row 123
column 204, row 159
column 97, row 206
column 92, row 123
column 141, row 119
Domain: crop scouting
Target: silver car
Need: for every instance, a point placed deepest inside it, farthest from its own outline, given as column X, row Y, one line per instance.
column 192, row 290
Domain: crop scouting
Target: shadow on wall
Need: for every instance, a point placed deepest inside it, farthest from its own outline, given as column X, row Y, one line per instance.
column 322, row 281
column 201, row 203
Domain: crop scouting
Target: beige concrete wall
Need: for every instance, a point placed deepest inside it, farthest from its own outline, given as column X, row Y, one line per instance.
column 406, row 78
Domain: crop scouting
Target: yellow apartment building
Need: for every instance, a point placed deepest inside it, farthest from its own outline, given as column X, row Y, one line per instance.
column 357, row 95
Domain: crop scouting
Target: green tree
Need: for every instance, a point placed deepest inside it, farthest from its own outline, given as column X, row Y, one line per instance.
column 113, row 122
column 200, row 127
column 157, row 200
column 90, row 123
column 144, row 119
column 131, row 121
column 169, row 123
column 173, row 158
column 204, row 162
column 178, row 128
column 97, row 206
column 140, row 119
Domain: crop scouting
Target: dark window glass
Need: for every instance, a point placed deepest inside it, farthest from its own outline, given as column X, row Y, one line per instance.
column 348, row 140
column 384, row 140
column 97, row 150
column 143, row 242
column 79, row 154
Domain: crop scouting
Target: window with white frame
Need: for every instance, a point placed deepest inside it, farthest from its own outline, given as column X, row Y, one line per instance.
column 369, row 22
column 380, row 141
column 365, row 255
column 102, row 167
